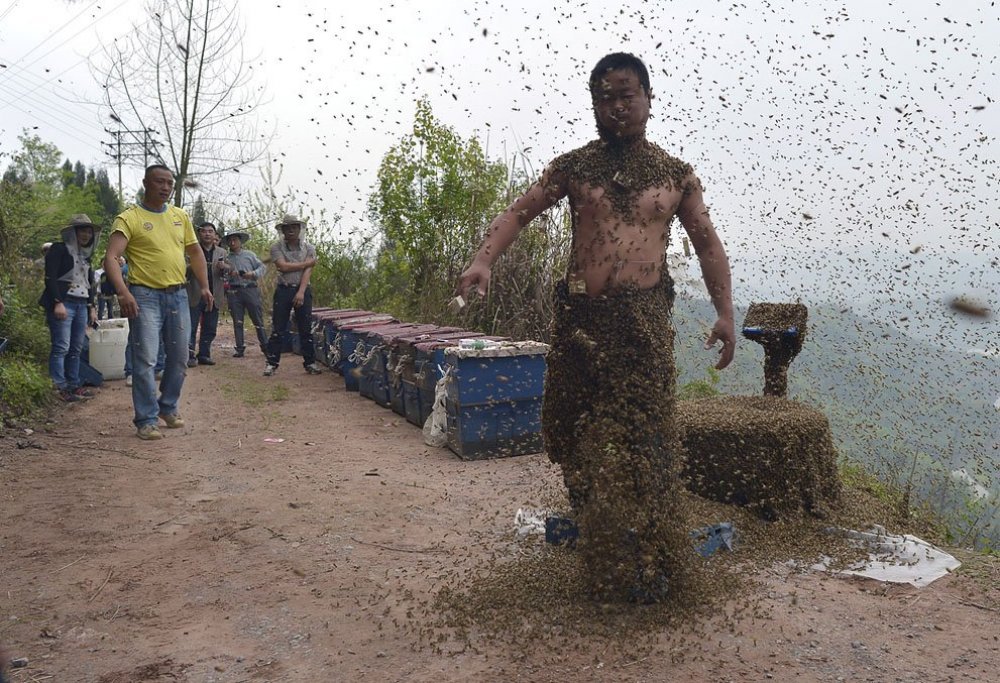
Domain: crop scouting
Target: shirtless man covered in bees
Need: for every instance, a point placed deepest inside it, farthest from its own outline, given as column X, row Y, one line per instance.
column 608, row 408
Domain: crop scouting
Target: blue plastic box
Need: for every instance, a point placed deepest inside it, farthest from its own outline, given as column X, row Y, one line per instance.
column 348, row 335
column 331, row 331
column 321, row 341
column 418, row 397
column 401, row 363
column 494, row 400
column 373, row 381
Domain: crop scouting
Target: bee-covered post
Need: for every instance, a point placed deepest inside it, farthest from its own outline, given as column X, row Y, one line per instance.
column 781, row 330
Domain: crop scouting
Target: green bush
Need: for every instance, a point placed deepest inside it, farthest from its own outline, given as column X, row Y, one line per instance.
column 24, row 386
column 700, row 388
column 23, row 323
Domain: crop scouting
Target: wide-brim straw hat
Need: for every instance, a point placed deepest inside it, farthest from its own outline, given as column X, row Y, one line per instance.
column 244, row 237
column 82, row 220
column 290, row 219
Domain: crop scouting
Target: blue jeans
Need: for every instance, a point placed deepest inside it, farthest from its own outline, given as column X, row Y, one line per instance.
column 105, row 303
column 161, row 356
column 281, row 312
column 67, row 341
column 209, row 326
column 163, row 314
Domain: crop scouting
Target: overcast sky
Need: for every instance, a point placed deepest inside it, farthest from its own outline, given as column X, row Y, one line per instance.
column 848, row 149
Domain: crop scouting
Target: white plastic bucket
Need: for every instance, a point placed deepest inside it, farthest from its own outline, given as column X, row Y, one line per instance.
column 107, row 347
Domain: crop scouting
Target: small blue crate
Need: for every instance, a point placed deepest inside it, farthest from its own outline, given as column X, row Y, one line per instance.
column 350, row 348
column 427, row 368
column 373, row 381
column 494, row 399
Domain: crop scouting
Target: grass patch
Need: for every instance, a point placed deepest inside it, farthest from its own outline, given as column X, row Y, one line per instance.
column 25, row 388
column 856, row 476
column 253, row 394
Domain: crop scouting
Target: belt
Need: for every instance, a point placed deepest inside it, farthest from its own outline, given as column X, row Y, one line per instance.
column 284, row 286
column 166, row 290
column 249, row 286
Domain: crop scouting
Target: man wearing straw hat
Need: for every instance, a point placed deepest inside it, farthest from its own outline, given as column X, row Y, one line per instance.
column 294, row 258
column 155, row 236
column 200, row 350
column 243, row 270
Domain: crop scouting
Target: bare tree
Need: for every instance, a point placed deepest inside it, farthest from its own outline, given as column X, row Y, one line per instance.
column 183, row 75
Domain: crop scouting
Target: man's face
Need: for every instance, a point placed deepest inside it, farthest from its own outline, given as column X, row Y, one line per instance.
column 206, row 235
column 621, row 105
column 84, row 235
column 291, row 232
column 234, row 243
column 159, row 184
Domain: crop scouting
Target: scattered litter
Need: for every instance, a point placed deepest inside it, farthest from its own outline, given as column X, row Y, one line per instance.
column 712, row 538
column 530, row 521
column 560, row 530
column 895, row 559
column 436, row 426
column 272, row 439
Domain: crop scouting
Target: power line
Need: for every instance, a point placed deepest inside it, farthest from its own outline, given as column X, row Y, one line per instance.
column 68, row 68
column 53, row 34
column 24, row 81
column 55, row 111
column 7, row 11
column 147, row 143
column 52, row 125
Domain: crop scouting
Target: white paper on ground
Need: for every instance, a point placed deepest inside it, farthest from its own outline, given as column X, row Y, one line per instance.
column 530, row 521
column 896, row 559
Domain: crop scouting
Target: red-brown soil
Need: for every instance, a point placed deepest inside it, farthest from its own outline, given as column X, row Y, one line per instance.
column 213, row 555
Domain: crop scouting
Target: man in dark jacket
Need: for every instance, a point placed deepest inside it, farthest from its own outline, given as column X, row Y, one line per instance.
column 200, row 350
column 69, row 303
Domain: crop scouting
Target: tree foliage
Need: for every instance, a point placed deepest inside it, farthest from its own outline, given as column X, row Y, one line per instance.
column 435, row 193
column 435, row 197
column 39, row 192
column 183, row 75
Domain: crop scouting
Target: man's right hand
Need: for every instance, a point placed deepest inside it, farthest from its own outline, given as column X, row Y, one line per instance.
column 476, row 275
column 59, row 311
column 128, row 305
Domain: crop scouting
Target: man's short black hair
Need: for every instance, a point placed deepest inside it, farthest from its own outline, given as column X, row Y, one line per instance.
column 620, row 60
column 207, row 224
column 157, row 167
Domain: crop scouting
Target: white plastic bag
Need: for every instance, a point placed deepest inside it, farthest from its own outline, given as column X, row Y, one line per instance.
column 436, row 427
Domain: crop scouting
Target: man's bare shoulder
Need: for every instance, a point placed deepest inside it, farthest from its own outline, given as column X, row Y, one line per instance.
column 568, row 162
column 638, row 167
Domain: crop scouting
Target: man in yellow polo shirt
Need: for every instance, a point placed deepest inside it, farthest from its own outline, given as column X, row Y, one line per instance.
column 155, row 236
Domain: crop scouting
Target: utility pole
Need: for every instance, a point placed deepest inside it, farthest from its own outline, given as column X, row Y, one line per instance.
column 127, row 150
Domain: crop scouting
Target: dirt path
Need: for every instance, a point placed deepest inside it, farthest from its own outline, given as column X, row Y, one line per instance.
column 216, row 556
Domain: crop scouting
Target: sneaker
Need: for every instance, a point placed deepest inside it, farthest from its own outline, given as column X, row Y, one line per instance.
column 206, row 361
column 128, row 380
column 149, row 433
column 192, row 361
column 238, row 354
column 83, row 394
column 269, row 369
column 314, row 369
column 67, row 396
column 174, row 421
